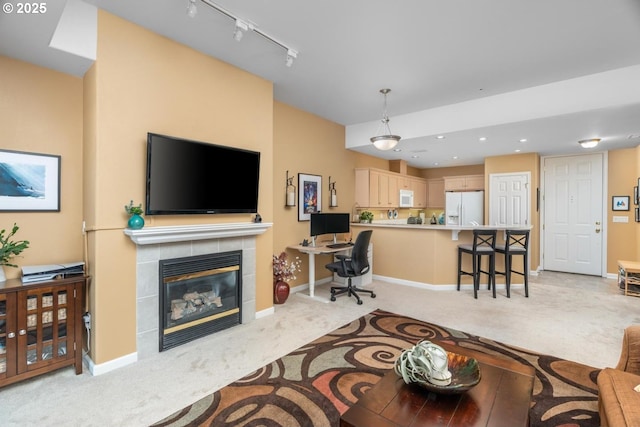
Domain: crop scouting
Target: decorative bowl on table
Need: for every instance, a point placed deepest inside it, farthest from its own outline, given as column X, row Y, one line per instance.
column 465, row 374
column 431, row 367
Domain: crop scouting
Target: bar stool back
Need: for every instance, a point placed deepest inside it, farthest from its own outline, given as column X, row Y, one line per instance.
column 516, row 243
column 484, row 242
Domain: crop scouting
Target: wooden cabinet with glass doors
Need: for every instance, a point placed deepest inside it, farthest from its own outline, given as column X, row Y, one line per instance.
column 41, row 327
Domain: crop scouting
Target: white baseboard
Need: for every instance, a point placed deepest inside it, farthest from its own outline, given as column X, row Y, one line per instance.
column 264, row 313
column 111, row 365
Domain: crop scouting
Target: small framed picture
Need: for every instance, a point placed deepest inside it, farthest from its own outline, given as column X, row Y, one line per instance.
column 620, row 203
column 635, row 195
column 637, row 214
column 309, row 195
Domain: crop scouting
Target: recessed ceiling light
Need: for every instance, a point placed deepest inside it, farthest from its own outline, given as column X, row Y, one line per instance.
column 440, row 137
column 517, row 151
column 415, row 156
column 482, row 138
column 435, row 163
column 397, row 150
column 455, row 157
column 523, row 140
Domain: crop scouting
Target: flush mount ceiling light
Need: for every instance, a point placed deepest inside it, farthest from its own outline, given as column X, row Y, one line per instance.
column 386, row 140
column 589, row 143
column 192, row 10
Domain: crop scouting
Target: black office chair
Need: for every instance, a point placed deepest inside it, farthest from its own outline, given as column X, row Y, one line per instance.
column 353, row 265
column 516, row 243
column 484, row 243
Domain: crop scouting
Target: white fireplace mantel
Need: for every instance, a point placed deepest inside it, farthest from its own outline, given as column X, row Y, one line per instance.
column 181, row 233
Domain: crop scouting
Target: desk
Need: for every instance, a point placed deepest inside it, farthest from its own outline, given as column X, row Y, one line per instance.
column 502, row 398
column 312, row 251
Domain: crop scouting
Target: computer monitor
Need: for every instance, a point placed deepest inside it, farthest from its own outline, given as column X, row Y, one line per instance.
column 329, row 223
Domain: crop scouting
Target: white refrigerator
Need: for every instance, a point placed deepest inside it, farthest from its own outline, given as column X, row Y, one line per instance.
column 464, row 208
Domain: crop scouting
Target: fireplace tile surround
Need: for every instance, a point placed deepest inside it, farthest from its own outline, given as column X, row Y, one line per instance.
column 156, row 243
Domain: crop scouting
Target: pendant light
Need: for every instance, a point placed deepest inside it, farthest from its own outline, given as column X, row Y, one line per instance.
column 386, row 140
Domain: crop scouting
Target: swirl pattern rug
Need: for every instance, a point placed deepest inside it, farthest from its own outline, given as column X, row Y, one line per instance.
column 315, row 384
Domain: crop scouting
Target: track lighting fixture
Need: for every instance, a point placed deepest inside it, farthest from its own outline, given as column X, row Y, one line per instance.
column 192, row 10
column 244, row 25
column 386, row 140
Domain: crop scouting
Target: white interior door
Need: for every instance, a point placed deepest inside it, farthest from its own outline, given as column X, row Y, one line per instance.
column 573, row 212
column 509, row 196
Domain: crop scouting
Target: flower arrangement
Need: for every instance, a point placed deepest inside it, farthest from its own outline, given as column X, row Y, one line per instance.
column 284, row 270
column 9, row 248
column 133, row 210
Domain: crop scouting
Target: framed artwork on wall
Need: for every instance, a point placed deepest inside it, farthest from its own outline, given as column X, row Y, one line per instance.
column 635, row 195
column 637, row 214
column 620, row 203
column 29, row 181
column 309, row 195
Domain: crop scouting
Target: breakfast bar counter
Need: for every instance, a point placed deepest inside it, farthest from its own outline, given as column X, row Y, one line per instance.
column 425, row 254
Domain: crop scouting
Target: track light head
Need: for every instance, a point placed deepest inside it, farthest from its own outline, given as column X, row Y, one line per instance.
column 291, row 55
column 192, row 10
column 240, row 29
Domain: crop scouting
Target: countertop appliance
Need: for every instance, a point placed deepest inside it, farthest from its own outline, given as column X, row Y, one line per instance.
column 464, row 207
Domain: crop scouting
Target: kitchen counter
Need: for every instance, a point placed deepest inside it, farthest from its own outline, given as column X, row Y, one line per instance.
column 454, row 229
column 425, row 254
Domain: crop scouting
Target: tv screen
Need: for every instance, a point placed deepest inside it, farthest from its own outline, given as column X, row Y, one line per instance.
column 191, row 177
column 329, row 223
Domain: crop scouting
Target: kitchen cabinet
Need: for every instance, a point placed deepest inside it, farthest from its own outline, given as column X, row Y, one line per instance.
column 464, row 183
column 419, row 187
column 435, row 193
column 40, row 327
column 376, row 188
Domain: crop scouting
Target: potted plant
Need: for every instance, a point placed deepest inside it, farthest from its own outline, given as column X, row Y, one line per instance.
column 283, row 271
column 9, row 249
column 366, row 216
column 136, row 221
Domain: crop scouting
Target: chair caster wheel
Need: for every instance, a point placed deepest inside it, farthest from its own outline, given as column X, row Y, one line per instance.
column 333, row 298
column 373, row 295
column 359, row 302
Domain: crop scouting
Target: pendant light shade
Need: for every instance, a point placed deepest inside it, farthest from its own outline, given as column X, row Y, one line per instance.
column 385, row 139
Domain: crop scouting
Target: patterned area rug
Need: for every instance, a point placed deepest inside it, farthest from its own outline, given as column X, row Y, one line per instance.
column 315, row 384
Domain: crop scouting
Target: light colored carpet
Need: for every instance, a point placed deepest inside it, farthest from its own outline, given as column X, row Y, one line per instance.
column 580, row 318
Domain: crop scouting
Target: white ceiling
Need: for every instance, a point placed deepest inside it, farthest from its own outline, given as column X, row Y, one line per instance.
column 550, row 71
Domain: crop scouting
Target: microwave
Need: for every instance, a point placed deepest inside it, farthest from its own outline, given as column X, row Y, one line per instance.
column 406, row 198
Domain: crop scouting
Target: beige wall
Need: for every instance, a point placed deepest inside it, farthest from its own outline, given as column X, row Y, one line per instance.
column 141, row 83
column 41, row 112
column 308, row 144
column 622, row 243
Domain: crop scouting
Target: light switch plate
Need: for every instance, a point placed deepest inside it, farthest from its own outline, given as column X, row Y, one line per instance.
column 617, row 218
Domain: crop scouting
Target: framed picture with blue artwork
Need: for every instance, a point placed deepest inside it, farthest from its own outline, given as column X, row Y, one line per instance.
column 309, row 195
column 29, row 181
column 620, row 203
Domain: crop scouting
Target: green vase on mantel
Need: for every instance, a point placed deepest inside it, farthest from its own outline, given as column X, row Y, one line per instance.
column 136, row 222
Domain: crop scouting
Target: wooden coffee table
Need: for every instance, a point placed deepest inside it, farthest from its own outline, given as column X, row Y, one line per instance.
column 501, row 398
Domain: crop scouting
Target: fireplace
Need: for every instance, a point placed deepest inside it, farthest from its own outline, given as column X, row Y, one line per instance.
column 199, row 295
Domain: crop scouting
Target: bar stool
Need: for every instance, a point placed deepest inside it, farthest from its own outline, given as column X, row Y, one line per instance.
column 516, row 243
column 484, row 243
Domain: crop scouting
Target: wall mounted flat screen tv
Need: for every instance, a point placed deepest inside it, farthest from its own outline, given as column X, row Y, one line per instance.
column 191, row 177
